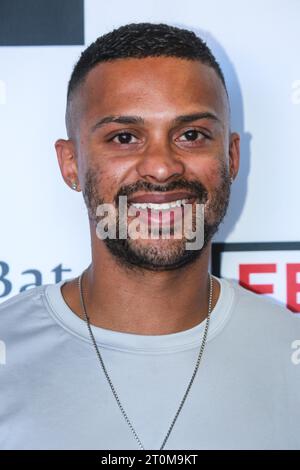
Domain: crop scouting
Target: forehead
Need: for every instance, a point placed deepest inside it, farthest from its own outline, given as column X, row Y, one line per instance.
column 152, row 86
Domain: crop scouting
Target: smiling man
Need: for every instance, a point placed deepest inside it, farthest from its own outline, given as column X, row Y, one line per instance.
column 145, row 349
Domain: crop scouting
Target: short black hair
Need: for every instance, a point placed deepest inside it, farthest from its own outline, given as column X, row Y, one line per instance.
column 141, row 40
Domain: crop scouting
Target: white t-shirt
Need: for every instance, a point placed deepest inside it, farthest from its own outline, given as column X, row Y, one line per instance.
column 54, row 395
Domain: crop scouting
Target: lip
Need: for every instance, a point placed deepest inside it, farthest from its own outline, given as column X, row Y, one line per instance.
column 160, row 198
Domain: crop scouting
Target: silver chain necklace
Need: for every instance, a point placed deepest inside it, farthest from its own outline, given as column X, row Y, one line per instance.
column 110, row 382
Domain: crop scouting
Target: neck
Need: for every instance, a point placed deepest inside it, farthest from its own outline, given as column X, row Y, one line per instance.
column 143, row 302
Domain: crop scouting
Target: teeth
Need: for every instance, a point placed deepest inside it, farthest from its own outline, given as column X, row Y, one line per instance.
column 159, row 207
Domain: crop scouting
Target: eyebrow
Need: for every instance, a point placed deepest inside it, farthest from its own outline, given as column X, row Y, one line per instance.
column 185, row 118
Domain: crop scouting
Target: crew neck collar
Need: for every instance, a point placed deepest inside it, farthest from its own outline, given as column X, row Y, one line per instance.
column 156, row 344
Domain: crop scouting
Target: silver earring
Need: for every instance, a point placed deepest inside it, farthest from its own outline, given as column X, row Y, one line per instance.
column 231, row 180
column 74, row 185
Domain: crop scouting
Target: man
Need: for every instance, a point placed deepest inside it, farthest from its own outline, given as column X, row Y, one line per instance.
column 146, row 350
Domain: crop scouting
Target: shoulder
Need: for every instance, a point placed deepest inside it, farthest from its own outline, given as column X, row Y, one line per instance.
column 262, row 316
column 261, row 305
column 22, row 311
column 22, row 300
column 263, row 336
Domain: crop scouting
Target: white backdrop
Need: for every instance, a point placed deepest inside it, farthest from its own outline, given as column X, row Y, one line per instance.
column 44, row 223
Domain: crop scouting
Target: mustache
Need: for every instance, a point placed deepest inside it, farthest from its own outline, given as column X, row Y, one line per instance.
column 195, row 187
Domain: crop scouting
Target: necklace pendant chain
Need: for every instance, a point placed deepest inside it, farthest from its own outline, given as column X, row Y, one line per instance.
column 92, row 337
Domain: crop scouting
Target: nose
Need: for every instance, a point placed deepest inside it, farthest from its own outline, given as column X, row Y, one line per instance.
column 159, row 164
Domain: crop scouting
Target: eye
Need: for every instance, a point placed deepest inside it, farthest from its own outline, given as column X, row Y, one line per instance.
column 193, row 135
column 124, row 138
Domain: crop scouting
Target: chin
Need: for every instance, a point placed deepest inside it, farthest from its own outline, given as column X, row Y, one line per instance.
column 153, row 255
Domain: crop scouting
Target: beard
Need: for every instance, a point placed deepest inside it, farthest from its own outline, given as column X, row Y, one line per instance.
column 161, row 254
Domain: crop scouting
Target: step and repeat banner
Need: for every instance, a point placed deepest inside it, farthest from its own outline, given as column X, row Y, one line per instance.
column 44, row 232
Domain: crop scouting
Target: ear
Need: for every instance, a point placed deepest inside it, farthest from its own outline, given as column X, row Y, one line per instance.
column 66, row 157
column 234, row 154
